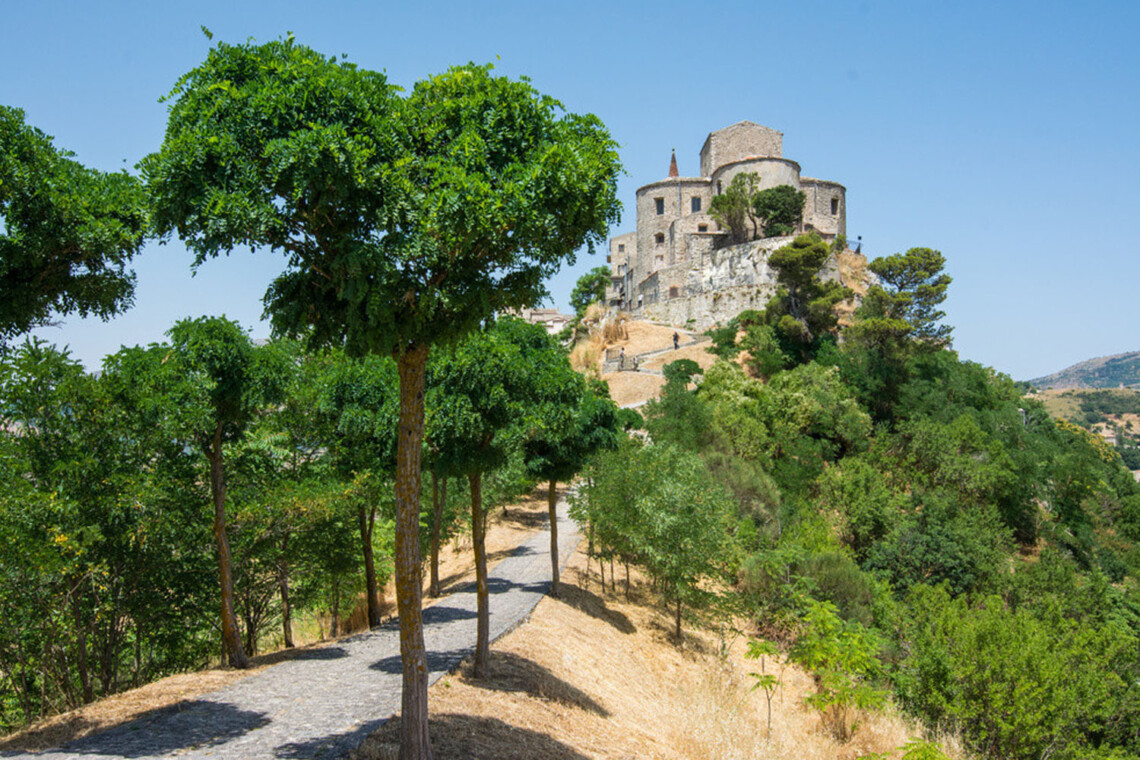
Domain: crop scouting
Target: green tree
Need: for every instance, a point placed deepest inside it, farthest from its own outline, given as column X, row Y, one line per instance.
column 102, row 563
column 590, row 288
column 803, row 311
column 733, row 208
column 897, row 318
column 913, row 286
column 359, row 405
column 781, row 208
column 574, row 419
column 228, row 380
column 406, row 222
column 473, row 392
column 67, row 232
column 843, row 657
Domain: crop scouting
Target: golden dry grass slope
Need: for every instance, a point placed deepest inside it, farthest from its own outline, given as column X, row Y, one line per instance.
column 592, row 675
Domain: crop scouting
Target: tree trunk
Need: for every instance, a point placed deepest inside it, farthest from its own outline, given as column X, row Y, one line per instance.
column 478, row 537
column 552, row 509
column 367, row 517
column 230, row 637
column 415, row 743
column 81, row 646
column 627, row 581
column 678, row 618
column 439, row 497
column 283, row 585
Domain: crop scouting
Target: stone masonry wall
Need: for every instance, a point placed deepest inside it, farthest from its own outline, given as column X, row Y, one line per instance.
column 739, row 141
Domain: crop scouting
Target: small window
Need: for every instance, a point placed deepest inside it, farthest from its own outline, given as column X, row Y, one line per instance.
column 834, row 206
column 660, row 205
column 674, row 291
column 659, row 238
column 621, row 247
column 659, row 259
column 702, row 228
column 696, row 203
column 718, row 187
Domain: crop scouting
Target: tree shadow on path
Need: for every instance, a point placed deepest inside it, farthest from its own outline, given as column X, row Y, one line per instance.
column 186, row 725
column 472, row 737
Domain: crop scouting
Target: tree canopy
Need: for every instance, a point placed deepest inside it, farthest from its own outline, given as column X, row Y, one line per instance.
column 67, row 232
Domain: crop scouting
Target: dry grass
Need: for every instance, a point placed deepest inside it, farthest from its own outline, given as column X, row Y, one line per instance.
column 505, row 531
column 853, row 274
column 632, row 387
column 593, row 676
column 698, row 353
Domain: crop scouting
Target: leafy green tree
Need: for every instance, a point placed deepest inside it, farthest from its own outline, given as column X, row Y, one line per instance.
column 897, row 318
column 102, row 562
column 781, row 208
column 229, row 380
column 733, row 208
column 1019, row 685
column 843, row 657
column 473, row 392
column 803, row 311
column 574, row 420
column 590, row 288
column 359, row 405
column 913, row 286
column 406, row 222
column 68, row 232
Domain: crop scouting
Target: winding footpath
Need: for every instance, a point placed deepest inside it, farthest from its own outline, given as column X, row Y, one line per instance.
column 325, row 702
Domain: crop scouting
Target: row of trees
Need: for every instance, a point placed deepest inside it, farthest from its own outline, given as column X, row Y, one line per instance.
column 407, row 220
column 115, row 484
column 901, row 519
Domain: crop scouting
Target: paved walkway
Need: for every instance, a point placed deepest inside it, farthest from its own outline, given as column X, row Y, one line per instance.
column 324, row 703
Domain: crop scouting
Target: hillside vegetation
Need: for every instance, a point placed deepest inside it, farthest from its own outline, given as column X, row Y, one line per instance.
column 1102, row 372
column 905, row 525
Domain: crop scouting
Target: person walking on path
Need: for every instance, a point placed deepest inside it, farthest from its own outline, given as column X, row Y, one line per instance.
column 676, row 341
column 621, row 359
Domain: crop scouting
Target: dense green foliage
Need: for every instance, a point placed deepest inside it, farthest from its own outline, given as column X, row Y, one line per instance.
column 908, row 521
column 66, row 232
column 780, row 209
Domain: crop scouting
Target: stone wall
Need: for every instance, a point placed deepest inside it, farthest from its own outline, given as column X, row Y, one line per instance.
column 818, row 197
column 716, row 284
column 738, row 141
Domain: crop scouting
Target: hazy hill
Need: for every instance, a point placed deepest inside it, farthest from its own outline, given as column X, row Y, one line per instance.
column 1102, row 372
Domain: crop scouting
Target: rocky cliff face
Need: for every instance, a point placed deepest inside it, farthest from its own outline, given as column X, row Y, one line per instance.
column 717, row 284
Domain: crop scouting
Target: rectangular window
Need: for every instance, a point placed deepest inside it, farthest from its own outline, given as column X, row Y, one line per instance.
column 696, row 204
column 659, row 239
column 674, row 291
column 660, row 205
column 702, row 228
column 834, row 206
column 621, row 247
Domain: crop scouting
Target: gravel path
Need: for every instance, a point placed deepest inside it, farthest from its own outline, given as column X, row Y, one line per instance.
column 324, row 703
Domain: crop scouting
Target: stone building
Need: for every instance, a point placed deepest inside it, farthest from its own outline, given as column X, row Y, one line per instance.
column 675, row 267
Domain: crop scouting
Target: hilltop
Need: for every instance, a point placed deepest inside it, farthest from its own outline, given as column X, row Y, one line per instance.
column 1102, row 372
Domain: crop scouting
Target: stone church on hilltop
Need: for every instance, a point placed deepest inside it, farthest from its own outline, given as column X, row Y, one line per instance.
column 675, row 268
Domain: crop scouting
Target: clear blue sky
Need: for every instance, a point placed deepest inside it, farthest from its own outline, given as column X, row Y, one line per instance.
column 1002, row 133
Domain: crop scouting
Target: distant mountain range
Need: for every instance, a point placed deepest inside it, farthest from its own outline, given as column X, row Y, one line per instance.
column 1102, row 372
